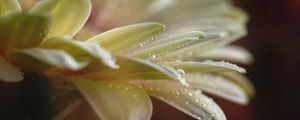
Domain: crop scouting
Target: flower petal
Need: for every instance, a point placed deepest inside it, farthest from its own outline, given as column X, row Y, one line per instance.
column 206, row 66
column 240, row 80
column 132, row 69
column 22, row 31
column 230, row 53
column 218, row 86
column 116, row 101
column 193, row 103
column 120, row 39
column 44, row 59
column 81, row 51
column 9, row 6
column 68, row 15
column 214, row 39
column 167, row 44
column 9, row 72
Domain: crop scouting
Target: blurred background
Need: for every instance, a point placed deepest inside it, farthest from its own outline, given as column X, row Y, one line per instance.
column 274, row 39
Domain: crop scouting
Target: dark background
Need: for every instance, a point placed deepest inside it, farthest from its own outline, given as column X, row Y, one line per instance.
column 274, row 39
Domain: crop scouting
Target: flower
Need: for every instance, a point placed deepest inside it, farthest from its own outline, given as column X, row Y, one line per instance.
column 171, row 66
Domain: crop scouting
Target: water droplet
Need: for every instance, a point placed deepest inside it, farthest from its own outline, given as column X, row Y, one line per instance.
column 151, row 89
column 181, row 71
column 153, row 56
column 187, row 102
column 140, row 86
column 141, row 44
column 144, row 43
column 177, row 92
column 208, row 61
column 135, row 95
column 190, row 94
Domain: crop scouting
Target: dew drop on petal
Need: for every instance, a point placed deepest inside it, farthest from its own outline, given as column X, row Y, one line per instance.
column 190, row 94
column 181, row 71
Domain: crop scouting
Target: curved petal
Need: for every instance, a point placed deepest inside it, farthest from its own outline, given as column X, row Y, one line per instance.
column 167, row 44
column 193, row 103
column 22, row 31
column 231, row 53
column 68, row 15
column 217, row 85
column 81, row 51
column 214, row 39
column 206, row 66
column 9, row 6
column 9, row 72
column 44, row 59
column 132, row 69
column 121, row 39
column 240, row 80
column 115, row 101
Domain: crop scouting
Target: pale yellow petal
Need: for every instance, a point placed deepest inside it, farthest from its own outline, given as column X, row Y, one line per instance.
column 115, row 101
column 231, row 53
column 44, row 59
column 9, row 6
column 121, row 39
column 191, row 102
column 217, row 85
column 22, row 30
column 68, row 15
column 166, row 44
column 205, row 66
column 240, row 80
column 213, row 40
column 81, row 51
column 131, row 69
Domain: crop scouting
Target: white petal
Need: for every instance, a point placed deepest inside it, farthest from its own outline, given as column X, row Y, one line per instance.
column 206, row 66
column 116, row 101
column 217, row 85
column 46, row 58
column 240, row 80
column 231, row 53
column 163, row 45
column 121, row 39
column 81, row 50
column 132, row 69
column 9, row 6
column 68, row 15
column 193, row 103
